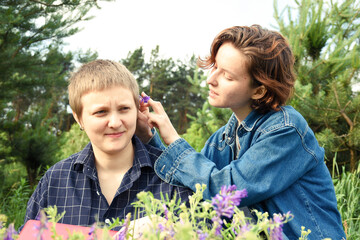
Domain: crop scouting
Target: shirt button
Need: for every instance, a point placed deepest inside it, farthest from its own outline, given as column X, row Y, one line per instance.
column 107, row 221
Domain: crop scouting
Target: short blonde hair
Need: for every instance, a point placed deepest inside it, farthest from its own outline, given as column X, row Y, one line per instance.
column 99, row 75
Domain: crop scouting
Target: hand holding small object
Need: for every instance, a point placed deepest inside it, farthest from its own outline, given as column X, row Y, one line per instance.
column 160, row 120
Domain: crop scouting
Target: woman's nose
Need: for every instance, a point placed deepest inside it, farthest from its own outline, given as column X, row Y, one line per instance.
column 212, row 78
column 115, row 121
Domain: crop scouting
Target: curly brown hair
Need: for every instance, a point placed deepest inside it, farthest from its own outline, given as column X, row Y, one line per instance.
column 270, row 62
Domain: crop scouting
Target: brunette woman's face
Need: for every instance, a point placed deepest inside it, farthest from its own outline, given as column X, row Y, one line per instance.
column 230, row 82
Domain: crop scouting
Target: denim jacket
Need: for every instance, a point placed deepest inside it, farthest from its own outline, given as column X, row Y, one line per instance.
column 280, row 164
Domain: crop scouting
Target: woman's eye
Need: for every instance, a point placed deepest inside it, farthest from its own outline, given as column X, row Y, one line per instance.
column 100, row 112
column 124, row 108
column 227, row 76
column 213, row 69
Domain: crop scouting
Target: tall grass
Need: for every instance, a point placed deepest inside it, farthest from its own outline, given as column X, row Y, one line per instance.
column 13, row 202
column 347, row 189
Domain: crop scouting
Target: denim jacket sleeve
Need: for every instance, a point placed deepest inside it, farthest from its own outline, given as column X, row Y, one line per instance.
column 276, row 159
column 155, row 140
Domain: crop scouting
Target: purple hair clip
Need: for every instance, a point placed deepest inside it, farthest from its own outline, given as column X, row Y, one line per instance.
column 144, row 99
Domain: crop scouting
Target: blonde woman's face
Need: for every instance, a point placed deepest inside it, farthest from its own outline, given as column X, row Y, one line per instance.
column 109, row 119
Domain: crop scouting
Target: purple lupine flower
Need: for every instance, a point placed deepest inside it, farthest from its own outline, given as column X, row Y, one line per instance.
column 166, row 212
column 43, row 224
column 171, row 232
column 202, row 235
column 243, row 229
column 276, row 232
column 224, row 204
column 121, row 235
column 92, row 233
column 10, row 232
column 144, row 99
column 161, row 227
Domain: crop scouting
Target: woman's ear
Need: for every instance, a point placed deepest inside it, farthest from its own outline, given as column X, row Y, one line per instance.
column 259, row 92
column 77, row 120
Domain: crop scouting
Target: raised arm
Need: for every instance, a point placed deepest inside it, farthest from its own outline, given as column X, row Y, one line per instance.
column 258, row 169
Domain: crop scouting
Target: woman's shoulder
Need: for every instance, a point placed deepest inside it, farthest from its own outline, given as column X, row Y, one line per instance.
column 63, row 165
column 286, row 117
column 74, row 162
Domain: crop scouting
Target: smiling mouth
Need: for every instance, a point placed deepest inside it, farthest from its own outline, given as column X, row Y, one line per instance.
column 117, row 134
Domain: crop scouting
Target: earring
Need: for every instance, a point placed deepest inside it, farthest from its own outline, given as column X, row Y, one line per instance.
column 81, row 128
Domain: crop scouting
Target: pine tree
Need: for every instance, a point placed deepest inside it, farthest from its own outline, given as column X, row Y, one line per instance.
column 33, row 80
column 325, row 37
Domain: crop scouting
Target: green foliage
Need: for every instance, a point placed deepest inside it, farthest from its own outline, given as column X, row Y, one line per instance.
column 207, row 121
column 71, row 142
column 33, row 143
column 325, row 37
column 180, row 221
column 347, row 188
column 13, row 202
column 34, row 71
column 32, row 63
column 10, row 174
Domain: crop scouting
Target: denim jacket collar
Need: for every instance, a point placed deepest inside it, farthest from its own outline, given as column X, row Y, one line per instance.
column 248, row 124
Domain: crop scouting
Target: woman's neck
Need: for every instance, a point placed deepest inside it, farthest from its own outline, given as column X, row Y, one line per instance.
column 118, row 162
column 241, row 115
column 111, row 169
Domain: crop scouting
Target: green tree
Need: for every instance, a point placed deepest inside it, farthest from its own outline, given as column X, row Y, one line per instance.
column 325, row 37
column 34, row 71
column 33, row 143
column 135, row 62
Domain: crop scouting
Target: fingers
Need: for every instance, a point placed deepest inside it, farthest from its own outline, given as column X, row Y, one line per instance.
column 157, row 107
column 149, row 102
column 159, row 119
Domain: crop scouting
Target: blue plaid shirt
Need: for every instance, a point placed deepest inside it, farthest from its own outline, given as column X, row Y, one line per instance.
column 73, row 186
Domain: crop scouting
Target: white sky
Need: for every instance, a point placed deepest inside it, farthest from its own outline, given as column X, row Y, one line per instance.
column 180, row 28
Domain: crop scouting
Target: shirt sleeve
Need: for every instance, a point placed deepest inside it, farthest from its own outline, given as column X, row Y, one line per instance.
column 275, row 160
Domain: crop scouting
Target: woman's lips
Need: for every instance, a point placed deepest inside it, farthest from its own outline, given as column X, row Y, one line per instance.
column 114, row 135
column 212, row 94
